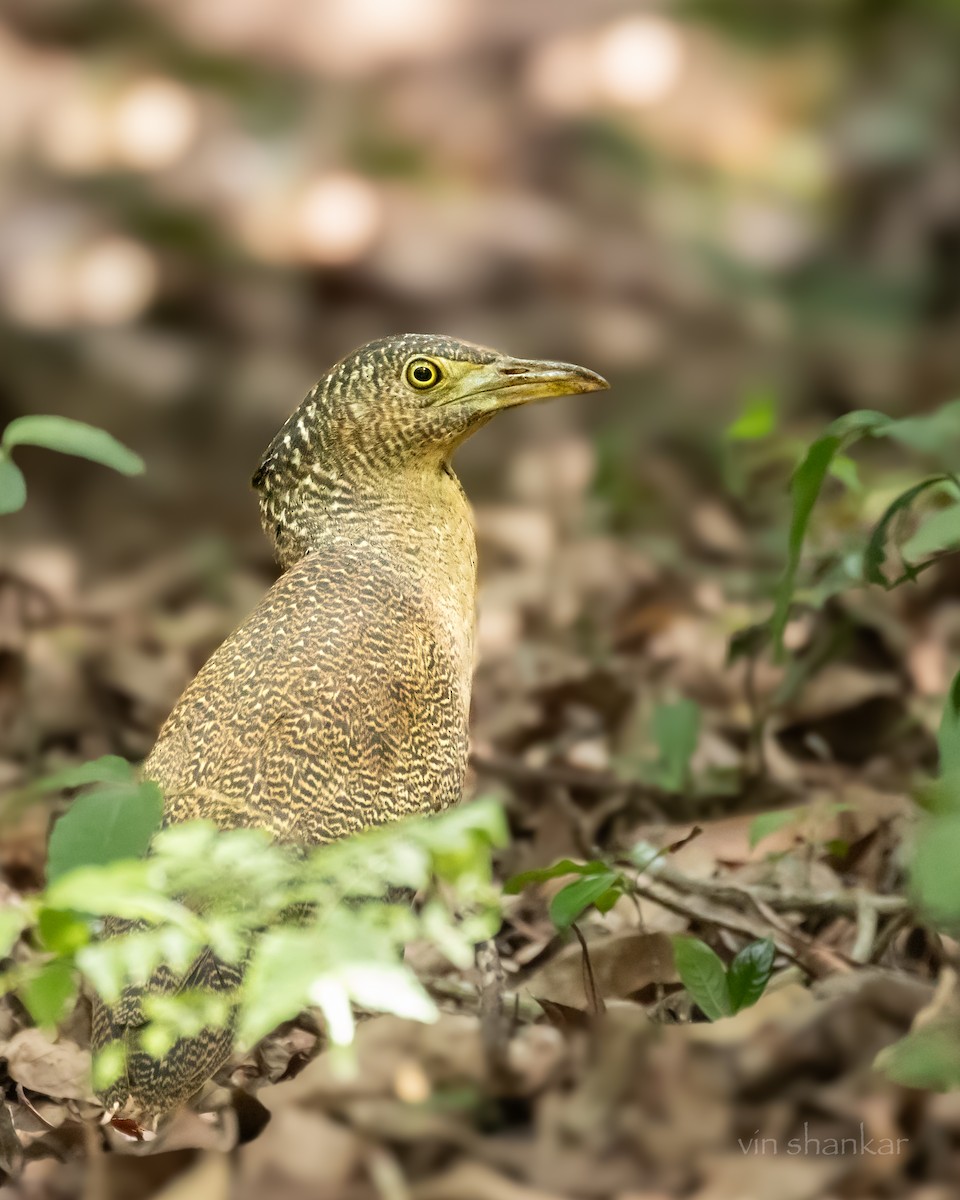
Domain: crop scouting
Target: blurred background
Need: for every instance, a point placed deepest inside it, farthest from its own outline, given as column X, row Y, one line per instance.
column 745, row 214
column 204, row 204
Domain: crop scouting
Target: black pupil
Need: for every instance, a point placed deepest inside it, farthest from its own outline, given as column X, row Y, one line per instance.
column 423, row 373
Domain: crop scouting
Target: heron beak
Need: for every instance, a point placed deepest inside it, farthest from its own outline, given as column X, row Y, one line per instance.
column 512, row 381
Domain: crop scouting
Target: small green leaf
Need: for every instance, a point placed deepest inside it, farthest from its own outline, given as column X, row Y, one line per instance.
column 50, row 994
column 13, row 486
column 675, row 729
column 749, row 973
column 875, row 554
column 73, row 437
column 62, row 931
column 765, row 824
column 566, row 866
column 573, row 899
column 703, row 975
column 115, row 821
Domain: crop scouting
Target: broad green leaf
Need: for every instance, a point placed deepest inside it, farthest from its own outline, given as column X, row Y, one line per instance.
column 703, row 975
column 62, row 931
column 50, row 994
column 675, row 729
column 933, row 873
column 573, row 899
column 763, row 825
column 749, row 973
column 122, row 888
column 73, row 437
column 13, row 486
column 948, row 735
column 875, row 554
column 284, row 967
column 115, row 821
column 566, row 866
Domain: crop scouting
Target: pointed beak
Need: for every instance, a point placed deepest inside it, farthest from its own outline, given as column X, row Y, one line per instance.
column 512, row 381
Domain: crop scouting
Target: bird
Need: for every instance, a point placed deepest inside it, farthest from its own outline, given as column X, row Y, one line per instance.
column 342, row 701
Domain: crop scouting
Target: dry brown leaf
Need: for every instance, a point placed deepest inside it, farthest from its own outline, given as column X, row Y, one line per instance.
column 623, row 965
column 55, row 1068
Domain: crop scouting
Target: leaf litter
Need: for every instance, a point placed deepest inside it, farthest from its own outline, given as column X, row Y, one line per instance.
column 611, row 1083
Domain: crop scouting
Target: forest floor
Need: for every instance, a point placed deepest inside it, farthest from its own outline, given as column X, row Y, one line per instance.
column 607, row 1080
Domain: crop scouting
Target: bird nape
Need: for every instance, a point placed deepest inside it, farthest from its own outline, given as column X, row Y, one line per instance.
column 341, row 702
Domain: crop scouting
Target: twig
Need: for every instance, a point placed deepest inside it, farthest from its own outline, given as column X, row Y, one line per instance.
column 827, row 904
column 595, row 1004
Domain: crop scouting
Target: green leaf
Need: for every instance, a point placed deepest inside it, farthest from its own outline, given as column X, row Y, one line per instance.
column 108, row 769
column 13, row 486
column 111, row 823
column 123, row 888
column 573, row 899
column 703, row 975
column 765, row 824
column 805, row 489
column 875, row 554
column 749, row 973
column 62, row 931
column 928, row 1058
column 675, row 729
column 50, row 994
column 73, row 437
column 285, row 965
column 948, row 735
column 566, row 866
column 933, row 873
column 13, row 921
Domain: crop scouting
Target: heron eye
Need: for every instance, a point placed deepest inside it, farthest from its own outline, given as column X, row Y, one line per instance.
column 422, row 373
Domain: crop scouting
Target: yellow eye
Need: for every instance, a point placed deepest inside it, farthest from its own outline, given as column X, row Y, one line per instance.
column 422, row 374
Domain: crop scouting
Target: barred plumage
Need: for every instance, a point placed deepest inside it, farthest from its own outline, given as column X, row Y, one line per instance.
column 342, row 701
